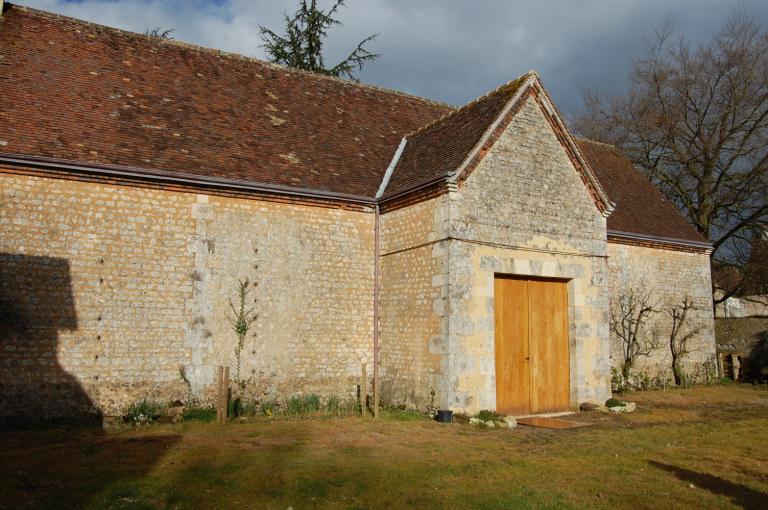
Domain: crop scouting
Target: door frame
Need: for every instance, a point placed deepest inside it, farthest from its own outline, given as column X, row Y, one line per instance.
column 570, row 286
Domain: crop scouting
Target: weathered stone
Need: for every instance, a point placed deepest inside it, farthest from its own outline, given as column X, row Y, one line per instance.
column 668, row 276
column 628, row 408
column 510, row 422
column 146, row 279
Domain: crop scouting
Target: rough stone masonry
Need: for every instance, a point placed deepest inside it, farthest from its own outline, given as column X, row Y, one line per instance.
column 141, row 180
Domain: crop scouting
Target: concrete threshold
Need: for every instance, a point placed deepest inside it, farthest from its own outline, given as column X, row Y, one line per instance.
column 546, row 415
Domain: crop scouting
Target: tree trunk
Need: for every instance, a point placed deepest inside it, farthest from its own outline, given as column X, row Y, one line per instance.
column 677, row 370
column 626, row 368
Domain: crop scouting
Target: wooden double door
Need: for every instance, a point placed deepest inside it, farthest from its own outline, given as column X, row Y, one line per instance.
column 532, row 358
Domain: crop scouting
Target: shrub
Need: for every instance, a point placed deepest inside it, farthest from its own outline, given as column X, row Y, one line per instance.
column 615, row 402
column 143, row 411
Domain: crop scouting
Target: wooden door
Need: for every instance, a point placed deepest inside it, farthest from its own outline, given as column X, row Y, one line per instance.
column 513, row 395
column 532, row 358
column 550, row 371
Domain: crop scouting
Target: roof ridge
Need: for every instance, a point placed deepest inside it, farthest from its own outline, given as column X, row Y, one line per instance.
column 596, row 142
column 226, row 54
column 498, row 89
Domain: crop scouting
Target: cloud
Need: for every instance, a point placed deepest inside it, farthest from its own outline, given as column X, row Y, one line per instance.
column 449, row 50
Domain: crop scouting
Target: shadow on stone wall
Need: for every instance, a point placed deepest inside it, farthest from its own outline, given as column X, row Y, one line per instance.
column 36, row 304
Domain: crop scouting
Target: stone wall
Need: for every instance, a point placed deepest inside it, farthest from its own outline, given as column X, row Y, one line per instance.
column 525, row 211
column 413, row 301
column 667, row 276
column 110, row 292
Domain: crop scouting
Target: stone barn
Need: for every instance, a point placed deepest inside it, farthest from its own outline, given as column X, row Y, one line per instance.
column 471, row 254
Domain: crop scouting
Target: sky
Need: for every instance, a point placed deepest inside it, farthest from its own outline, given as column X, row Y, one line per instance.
column 448, row 50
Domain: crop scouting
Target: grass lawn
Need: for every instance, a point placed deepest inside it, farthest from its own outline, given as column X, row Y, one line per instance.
column 699, row 448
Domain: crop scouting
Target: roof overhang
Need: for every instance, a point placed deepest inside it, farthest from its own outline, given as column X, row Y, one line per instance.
column 199, row 181
column 646, row 238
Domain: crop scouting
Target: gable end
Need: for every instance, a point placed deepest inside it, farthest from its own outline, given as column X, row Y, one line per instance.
column 532, row 88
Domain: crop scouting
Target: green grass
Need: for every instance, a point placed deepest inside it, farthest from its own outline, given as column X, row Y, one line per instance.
column 711, row 438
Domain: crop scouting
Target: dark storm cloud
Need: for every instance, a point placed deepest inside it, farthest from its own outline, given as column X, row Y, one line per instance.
column 448, row 50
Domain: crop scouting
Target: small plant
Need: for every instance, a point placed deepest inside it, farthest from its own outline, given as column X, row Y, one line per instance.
column 242, row 318
column 726, row 381
column 269, row 408
column 206, row 414
column 311, row 403
column 615, row 402
column 349, row 407
column 293, row 405
column 143, row 412
column 619, row 383
column 431, row 407
column 333, row 405
column 710, row 372
column 643, row 381
column 249, row 407
column 486, row 415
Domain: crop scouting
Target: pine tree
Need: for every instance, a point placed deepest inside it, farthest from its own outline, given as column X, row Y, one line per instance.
column 301, row 46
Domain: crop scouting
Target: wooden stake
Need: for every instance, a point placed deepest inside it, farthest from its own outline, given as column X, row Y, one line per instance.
column 219, row 391
column 375, row 392
column 363, row 391
column 226, row 394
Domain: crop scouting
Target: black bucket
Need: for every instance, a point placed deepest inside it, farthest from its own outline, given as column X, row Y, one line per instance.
column 445, row 416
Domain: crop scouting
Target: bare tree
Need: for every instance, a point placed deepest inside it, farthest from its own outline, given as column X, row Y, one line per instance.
column 695, row 120
column 629, row 316
column 160, row 32
column 678, row 340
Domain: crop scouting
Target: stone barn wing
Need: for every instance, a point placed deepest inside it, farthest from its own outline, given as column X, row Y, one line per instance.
column 468, row 253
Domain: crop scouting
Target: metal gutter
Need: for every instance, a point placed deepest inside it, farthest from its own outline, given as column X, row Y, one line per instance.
column 180, row 178
column 415, row 187
column 670, row 240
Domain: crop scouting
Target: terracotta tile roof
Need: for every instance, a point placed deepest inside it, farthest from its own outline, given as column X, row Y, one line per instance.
column 442, row 146
column 84, row 92
column 640, row 206
column 98, row 95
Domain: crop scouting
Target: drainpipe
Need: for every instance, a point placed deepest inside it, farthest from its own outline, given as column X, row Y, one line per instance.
column 376, row 270
column 376, row 291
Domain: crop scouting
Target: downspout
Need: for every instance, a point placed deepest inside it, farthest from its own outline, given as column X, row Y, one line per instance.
column 377, row 270
column 376, row 292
